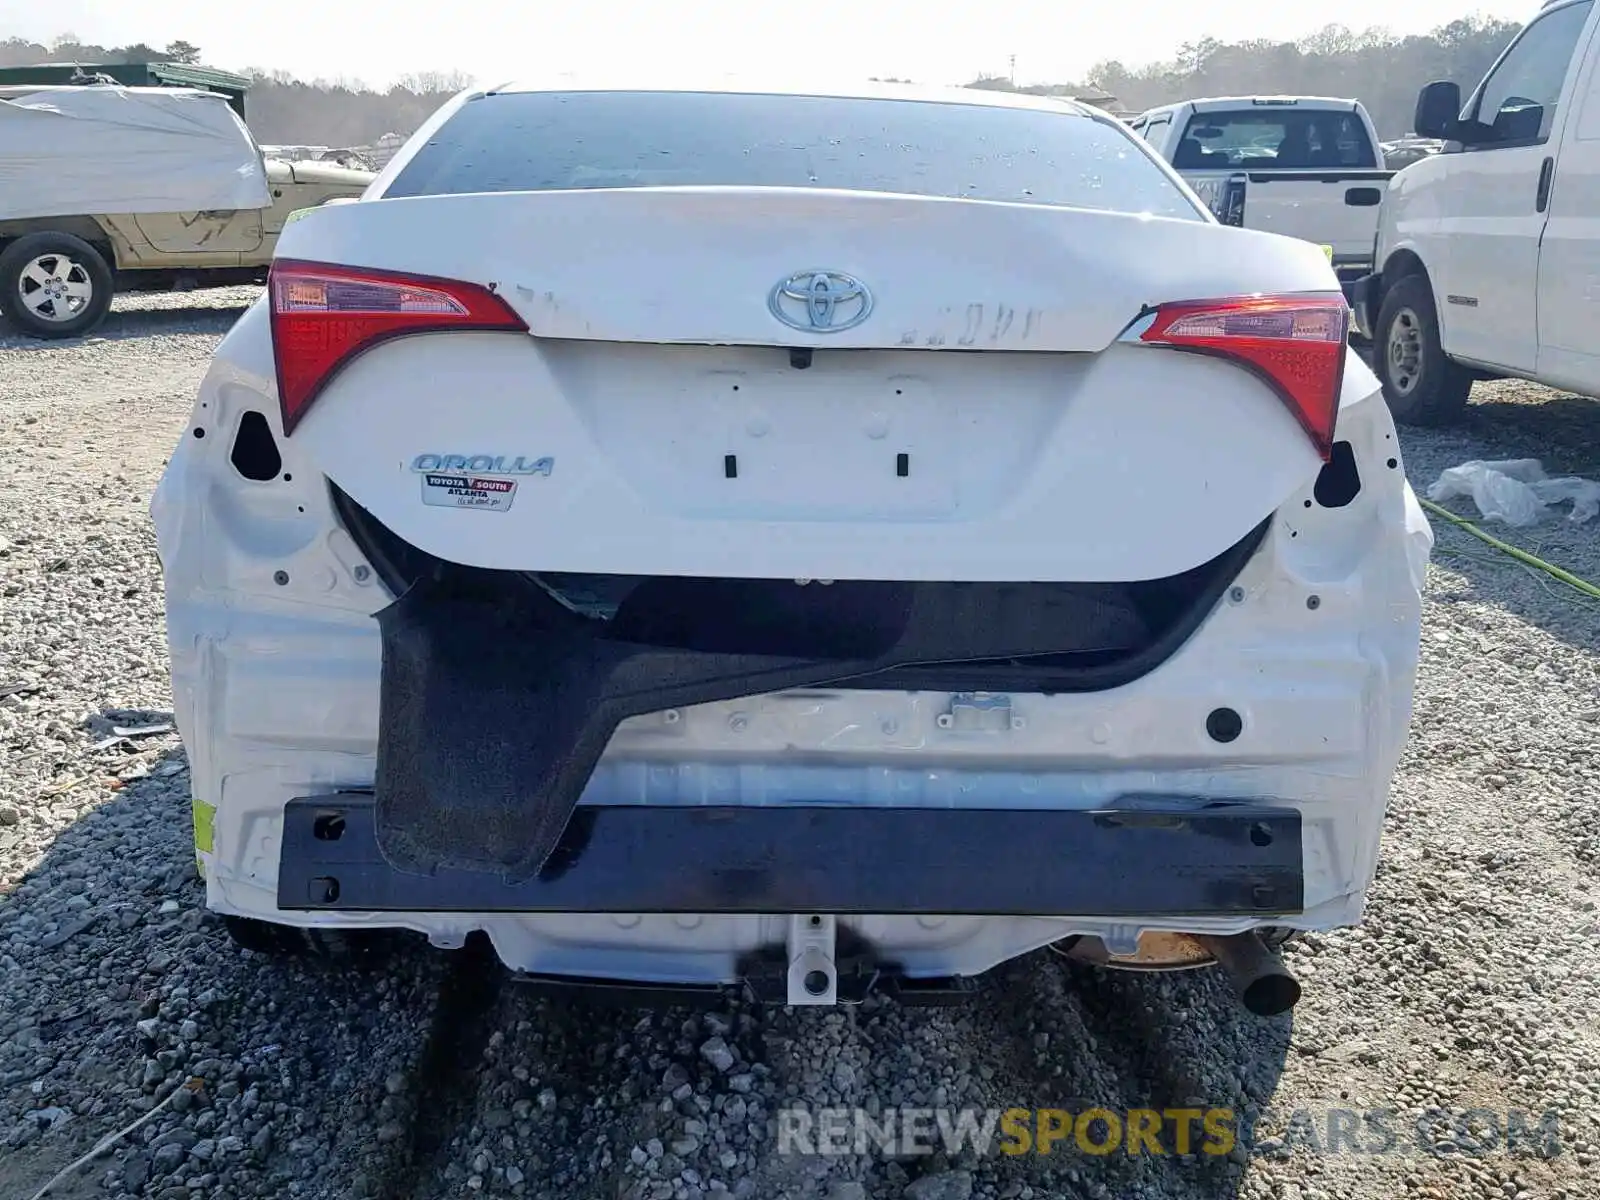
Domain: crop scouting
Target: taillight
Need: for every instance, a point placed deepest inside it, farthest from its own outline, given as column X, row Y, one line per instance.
column 1295, row 343
column 325, row 315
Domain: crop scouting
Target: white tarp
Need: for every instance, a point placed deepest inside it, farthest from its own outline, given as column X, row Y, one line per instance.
column 85, row 151
column 1516, row 490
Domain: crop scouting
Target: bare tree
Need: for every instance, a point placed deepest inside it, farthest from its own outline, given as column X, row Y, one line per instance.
column 1375, row 66
column 138, row 52
column 435, row 83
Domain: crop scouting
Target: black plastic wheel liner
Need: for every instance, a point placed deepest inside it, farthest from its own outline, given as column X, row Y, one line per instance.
column 497, row 701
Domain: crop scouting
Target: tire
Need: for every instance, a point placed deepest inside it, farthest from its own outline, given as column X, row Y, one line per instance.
column 353, row 947
column 71, row 273
column 1421, row 383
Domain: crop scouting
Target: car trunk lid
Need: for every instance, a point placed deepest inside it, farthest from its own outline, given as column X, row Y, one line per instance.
column 698, row 265
column 658, row 420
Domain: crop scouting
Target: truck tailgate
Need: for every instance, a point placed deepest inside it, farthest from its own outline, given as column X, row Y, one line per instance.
column 1337, row 208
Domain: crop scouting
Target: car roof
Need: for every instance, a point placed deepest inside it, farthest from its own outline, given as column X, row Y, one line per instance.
column 870, row 90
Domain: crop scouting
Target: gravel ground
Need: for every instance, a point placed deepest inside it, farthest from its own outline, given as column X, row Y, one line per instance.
column 1473, row 984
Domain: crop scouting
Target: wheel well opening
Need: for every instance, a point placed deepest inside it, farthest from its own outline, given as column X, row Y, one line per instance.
column 85, row 229
column 1401, row 264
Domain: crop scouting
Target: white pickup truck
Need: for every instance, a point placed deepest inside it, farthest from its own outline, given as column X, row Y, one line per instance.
column 1488, row 255
column 1308, row 167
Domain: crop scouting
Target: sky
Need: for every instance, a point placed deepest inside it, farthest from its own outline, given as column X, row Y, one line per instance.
column 831, row 42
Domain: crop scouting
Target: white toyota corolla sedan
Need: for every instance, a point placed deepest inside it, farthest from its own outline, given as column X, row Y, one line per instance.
column 796, row 542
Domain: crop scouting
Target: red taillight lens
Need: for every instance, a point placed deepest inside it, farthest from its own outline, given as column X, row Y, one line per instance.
column 324, row 315
column 1296, row 343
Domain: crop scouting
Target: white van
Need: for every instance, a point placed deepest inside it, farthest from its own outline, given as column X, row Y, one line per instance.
column 1488, row 255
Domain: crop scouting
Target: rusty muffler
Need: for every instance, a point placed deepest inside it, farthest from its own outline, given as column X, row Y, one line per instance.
column 1265, row 986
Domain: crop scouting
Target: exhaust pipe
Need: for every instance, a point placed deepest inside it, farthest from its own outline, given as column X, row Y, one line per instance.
column 1265, row 986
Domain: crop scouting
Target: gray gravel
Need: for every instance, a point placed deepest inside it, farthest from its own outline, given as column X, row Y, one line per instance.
column 1474, row 983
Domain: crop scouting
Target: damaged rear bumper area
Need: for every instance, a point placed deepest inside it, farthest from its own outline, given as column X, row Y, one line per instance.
column 498, row 698
column 1172, row 856
column 822, row 867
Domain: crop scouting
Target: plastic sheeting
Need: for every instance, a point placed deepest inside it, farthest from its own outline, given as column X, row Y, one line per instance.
column 1516, row 491
column 87, row 151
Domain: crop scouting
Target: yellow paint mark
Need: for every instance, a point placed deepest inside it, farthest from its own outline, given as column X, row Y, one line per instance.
column 204, row 815
column 1328, row 250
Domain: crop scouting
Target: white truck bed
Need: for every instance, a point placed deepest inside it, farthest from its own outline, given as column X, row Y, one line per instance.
column 1310, row 167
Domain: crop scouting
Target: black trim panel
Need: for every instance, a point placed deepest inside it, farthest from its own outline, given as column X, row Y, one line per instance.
column 1377, row 174
column 1362, row 294
column 497, row 699
column 399, row 565
column 1162, row 857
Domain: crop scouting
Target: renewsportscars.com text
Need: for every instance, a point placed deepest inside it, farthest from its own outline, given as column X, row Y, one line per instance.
column 907, row 1132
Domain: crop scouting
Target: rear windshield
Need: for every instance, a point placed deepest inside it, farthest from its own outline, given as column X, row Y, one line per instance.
column 1271, row 137
column 555, row 141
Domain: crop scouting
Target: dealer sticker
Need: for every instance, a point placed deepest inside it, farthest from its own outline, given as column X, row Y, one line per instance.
column 468, row 491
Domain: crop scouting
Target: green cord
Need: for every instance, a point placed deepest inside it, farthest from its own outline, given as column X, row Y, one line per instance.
column 1522, row 556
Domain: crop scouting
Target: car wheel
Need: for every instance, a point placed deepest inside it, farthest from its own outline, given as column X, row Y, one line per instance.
column 1421, row 383
column 54, row 285
column 353, row 946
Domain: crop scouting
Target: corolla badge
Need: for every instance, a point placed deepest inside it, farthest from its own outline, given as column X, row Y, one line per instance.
column 821, row 301
column 486, row 464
